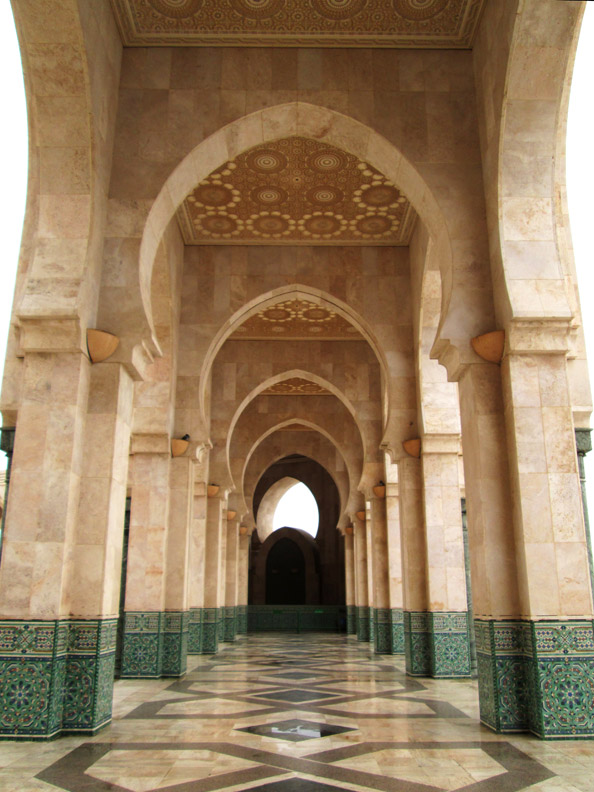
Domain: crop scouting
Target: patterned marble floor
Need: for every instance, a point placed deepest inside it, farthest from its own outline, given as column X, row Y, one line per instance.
column 297, row 713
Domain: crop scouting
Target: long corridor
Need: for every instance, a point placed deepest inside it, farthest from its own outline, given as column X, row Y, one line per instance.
column 297, row 713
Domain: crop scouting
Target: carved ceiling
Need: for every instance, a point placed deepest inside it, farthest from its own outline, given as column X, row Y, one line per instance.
column 297, row 319
column 296, row 386
column 296, row 191
column 326, row 23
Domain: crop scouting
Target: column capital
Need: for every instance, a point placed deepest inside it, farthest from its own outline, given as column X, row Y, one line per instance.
column 441, row 444
column 157, row 444
column 537, row 337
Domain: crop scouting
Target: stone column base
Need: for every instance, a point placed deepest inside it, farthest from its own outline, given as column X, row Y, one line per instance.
column 382, row 631
column 242, row 619
column 230, row 623
column 537, row 676
column 449, row 644
column 56, row 677
column 416, row 643
column 363, row 623
column 195, row 631
column 175, row 643
column 397, row 630
column 351, row 619
column 437, row 644
column 142, row 647
column 210, row 630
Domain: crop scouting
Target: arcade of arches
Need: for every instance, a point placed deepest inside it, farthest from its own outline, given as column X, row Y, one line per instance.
column 332, row 246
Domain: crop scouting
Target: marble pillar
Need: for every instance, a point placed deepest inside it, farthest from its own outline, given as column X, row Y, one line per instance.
column 395, row 569
column 213, row 573
column 197, row 561
column 378, row 531
column 231, row 579
column 349, row 578
column 448, row 627
column 363, row 615
column 145, row 620
column 243, row 554
column 414, row 578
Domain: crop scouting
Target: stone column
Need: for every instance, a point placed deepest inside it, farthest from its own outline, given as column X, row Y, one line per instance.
column 448, row 626
column 378, row 531
column 349, row 578
column 556, row 626
column 222, row 574
column 395, row 569
column 242, row 579
column 177, row 613
column 39, row 529
column 492, row 547
column 213, row 550
column 362, row 582
column 414, row 579
column 197, row 551
column 144, row 626
column 231, row 579
column 370, row 584
column 96, row 558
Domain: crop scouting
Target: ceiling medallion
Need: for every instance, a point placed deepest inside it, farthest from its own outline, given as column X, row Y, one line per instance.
column 297, row 319
column 296, row 23
column 296, row 386
column 297, row 191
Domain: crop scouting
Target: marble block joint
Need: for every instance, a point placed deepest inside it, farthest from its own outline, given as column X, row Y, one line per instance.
column 56, row 677
column 537, row 676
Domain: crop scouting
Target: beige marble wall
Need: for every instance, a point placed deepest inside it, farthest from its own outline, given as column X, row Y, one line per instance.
column 361, row 566
column 197, row 550
column 179, row 571
column 95, row 564
column 214, row 579
column 414, row 577
column 232, row 564
column 378, row 530
column 488, row 503
column 546, row 495
column 42, row 510
column 149, row 520
column 243, row 566
column 446, row 580
column 394, row 545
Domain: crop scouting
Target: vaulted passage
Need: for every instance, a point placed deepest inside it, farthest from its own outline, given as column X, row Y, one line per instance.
column 270, row 242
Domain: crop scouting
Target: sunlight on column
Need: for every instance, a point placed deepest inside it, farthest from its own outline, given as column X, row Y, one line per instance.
column 297, row 509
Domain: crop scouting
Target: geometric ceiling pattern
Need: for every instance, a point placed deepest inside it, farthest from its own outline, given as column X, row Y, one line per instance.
column 321, row 23
column 297, row 320
column 296, row 386
column 296, row 191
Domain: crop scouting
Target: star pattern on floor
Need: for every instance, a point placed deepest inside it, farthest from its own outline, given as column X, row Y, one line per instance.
column 356, row 723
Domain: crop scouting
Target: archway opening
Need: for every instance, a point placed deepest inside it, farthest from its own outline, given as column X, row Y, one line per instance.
column 285, row 574
column 297, row 508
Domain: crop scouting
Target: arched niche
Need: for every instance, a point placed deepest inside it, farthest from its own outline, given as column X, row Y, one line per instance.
column 307, row 546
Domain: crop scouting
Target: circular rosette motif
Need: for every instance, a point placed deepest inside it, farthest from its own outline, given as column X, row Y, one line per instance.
column 322, row 224
column 214, row 195
column 324, row 195
column 266, row 161
column 373, row 225
column 269, row 196
column 316, row 315
column 328, row 161
column 339, row 9
column 379, row 195
column 270, row 224
column 257, row 9
column 419, row 10
column 176, row 9
column 277, row 313
column 219, row 225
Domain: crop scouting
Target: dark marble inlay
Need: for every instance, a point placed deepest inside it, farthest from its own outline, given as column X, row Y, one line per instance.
column 296, row 696
column 294, row 675
column 296, row 730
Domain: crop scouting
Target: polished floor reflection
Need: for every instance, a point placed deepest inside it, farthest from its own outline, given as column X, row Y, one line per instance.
column 297, row 713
